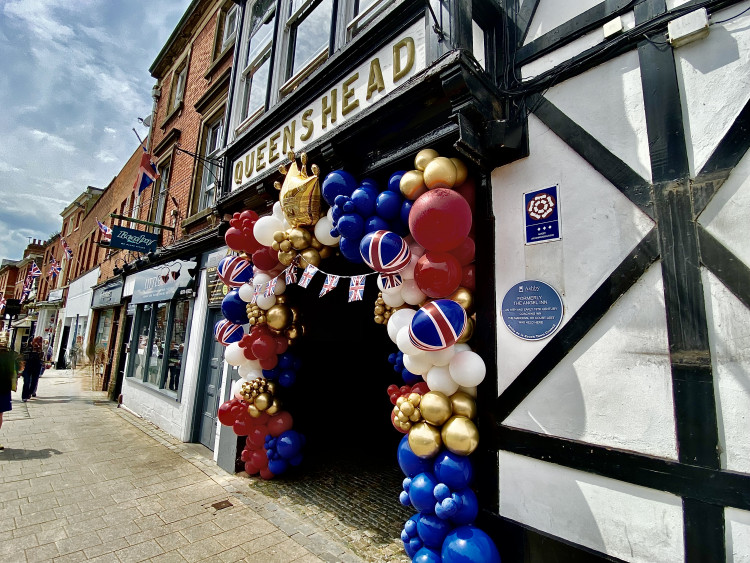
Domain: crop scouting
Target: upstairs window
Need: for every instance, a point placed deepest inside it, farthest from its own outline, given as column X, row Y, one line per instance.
column 159, row 197
column 210, row 176
column 226, row 28
column 364, row 12
column 309, row 23
column 177, row 91
column 230, row 27
column 257, row 62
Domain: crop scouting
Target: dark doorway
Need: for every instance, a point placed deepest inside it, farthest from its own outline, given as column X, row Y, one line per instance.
column 122, row 357
column 210, row 387
column 63, row 346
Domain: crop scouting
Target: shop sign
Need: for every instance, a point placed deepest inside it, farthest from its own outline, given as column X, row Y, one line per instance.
column 133, row 239
column 215, row 288
column 164, row 283
column 532, row 310
column 108, row 295
column 363, row 87
column 542, row 215
column 55, row 295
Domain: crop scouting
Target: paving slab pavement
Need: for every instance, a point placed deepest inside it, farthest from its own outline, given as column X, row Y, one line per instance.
column 81, row 480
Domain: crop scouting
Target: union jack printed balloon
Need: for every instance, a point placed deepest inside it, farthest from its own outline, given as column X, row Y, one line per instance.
column 226, row 332
column 385, row 252
column 234, row 271
column 437, row 325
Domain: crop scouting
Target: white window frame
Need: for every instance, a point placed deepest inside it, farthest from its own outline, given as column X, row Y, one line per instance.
column 230, row 18
column 292, row 79
column 209, row 179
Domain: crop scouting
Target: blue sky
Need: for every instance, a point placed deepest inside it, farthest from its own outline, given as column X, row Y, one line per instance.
column 74, row 82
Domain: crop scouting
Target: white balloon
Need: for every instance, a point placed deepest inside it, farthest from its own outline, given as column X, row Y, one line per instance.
column 234, row 355
column 237, row 386
column 323, row 232
column 246, row 292
column 441, row 357
column 249, row 372
column 417, row 249
column 461, row 347
column 277, row 211
column 417, row 363
column 393, row 299
column 261, row 279
column 399, row 319
column 264, row 302
column 411, row 293
column 264, row 229
column 467, row 369
column 280, row 286
column 329, row 214
column 439, row 379
column 472, row 391
column 404, row 343
column 250, row 366
column 408, row 272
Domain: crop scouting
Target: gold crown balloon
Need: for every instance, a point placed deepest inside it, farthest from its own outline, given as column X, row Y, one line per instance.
column 300, row 192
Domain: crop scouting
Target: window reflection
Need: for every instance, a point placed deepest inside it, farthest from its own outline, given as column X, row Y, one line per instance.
column 177, row 346
column 311, row 35
column 156, row 361
column 142, row 335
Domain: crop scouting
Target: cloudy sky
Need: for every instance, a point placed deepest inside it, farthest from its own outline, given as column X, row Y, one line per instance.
column 74, row 81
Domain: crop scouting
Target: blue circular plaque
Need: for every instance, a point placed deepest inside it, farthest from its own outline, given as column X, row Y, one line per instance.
column 532, row 310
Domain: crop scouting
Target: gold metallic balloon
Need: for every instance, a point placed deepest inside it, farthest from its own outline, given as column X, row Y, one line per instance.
column 253, row 411
column 463, row 404
column 468, row 330
column 325, row 252
column 424, row 440
column 412, row 184
column 263, row 401
column 435, row 407
column 460, row 435
column 292, row 332
column 316, row 244
column 279, row 316
column 461, row 171
column 440, row 173
column 407, row 408
column 424, row 157
column 415, row 399
column 300, row 193
column 465, row 298
column 379, row 319
column 274, row 408
column 279, row 236
column 286, row 258
column 271, row 387
column 285, row 246
column 379, row 310
column 295, row 314
column 300, row 238
column 275, row 245
column 310, row 256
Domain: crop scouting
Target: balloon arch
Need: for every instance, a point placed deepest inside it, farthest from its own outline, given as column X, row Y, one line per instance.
column 416, row 236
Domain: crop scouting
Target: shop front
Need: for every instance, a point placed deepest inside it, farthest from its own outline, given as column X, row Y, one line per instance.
column 74, row 321
column 106, row 311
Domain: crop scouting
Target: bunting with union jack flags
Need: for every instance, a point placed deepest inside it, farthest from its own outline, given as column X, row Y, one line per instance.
column 34, row 270
column 307, row 275
column 329, row 285
column 66, row 248
column 54, row 268
column 26, row 287
column 356, row 288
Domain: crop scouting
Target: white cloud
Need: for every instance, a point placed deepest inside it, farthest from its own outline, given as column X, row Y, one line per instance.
column 53, row 140
column 5, row 167
column 110, row 131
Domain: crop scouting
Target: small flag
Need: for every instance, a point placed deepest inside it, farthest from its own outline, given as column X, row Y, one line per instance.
column 270, row 287
column 356, row 288
column 330, row 283
column 307, row 275
column 256, row 293
column 54, row 268
column 106, row 231
column 26, row 287
column 2, row 300
column 390, row 281
column 66, row 248
column 291, row 273
column 34, row 271
column 147, row 173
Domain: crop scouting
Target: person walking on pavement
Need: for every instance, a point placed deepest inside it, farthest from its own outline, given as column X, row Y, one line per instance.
column 8, row 377
column 32, row 369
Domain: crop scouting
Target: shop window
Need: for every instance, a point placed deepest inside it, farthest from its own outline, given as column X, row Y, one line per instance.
column 309, row 24
column 257, row 62
column 210, row 173
column 159, row 198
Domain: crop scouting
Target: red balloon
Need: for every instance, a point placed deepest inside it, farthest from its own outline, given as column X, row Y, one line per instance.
column 468, row 191
column 420, row 388
column 234, row 239
column 464, row 252
column 440, row 219
column 438, row 274
column 241, row 427
column 248, row 214
column 469, row 277
column 280, row 423
column 269, row 363
column 257, row 437
column 281, row 344
column 250, row 469
column 266, row 258
column 245, row 455
column 266, row 473
column 264, row 346
column 226, row 415
column 259, row 459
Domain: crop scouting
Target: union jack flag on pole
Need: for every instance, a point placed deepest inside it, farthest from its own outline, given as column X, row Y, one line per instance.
column 307, row 275
column 54, row 268
column 106, row 231
column 356, row 288
column 330, row 283
column 66, row 248
column 34, row 270
column 26, row 287
column 147, row 173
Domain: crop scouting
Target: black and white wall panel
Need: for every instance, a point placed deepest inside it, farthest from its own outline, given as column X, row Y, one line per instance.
column 624, row 434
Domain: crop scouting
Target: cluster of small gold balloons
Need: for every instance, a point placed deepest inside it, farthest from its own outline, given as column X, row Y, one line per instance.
column 259, row 395
column 432, row 171
column 298, row 241
column 382, row 311
column 434, row 420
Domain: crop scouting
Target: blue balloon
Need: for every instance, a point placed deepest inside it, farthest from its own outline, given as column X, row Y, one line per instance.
column 376, row 223
column 336, row 213
column 289, row 444
column 420, row 492
column 405, row 210
column 468, row 544
column 409, row 536
column 415, row 544
column 296, row 460
column 427, row 555
column 272, row 374
column 468, row 507
column 441, row 492
column 447, row 508
column 454, row 470
column 338, row 182
column 370, row 184
column 234, row 309
column 287, row 378
column 349, row 247
column 364, row 200
column 410, row 527
column 403, row 498
column 388, row 205
column 277, row 466
column 286, row 360
column 409, row 377
column 432, row 530
column 351, row 225
column 409, row 462
column 394, row 182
